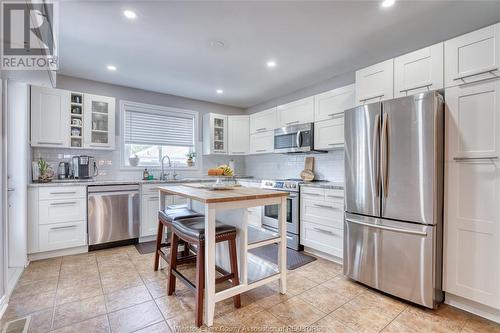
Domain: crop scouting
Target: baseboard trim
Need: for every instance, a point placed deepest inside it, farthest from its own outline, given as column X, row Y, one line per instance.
column 147, row 239
column 58, row 253
column 323, row 255
column 473, row 307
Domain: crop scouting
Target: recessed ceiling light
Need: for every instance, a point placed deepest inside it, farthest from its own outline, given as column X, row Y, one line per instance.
column 388, row 3
column 219, row 91
column 111, row 68
column 271, row 64
column 130, row 14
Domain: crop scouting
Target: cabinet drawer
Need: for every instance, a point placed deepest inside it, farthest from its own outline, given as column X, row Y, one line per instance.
column 334, row 195
column 322, row 238
column 63, row 210
column 312, row 192
column 62, row 192
column 62, row 235
column 323, row 212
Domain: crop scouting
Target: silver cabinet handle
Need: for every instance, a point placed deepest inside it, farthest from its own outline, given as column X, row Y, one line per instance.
column 293, row 122
column 315, row 194
column 478, row 72
column 261, row 150
column 323, row 231
column 63, row 203
column 325, row 206
column 49, row 143
column 460, row 159
column 371, row 97
column 376, row 226
column 238, row 152
column 336, row 115
column 426, row 85
column 10, row 189
column 334, row 144
column 335, row 196
column 63, row 192
column 65, row 227
column 261, row 129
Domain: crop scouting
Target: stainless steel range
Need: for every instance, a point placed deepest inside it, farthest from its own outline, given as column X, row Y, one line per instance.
column 270, row 212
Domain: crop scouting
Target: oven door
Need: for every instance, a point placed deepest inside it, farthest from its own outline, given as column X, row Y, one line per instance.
column 270, row 215
column 293, row 139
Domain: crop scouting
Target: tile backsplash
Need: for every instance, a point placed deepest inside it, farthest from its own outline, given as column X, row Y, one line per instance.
column 108, row 163
column 327, row 166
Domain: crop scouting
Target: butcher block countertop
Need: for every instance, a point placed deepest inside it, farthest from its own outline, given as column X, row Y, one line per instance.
column 210, row 196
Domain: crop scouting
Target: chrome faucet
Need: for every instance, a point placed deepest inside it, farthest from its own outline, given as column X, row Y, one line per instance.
column 163, row 175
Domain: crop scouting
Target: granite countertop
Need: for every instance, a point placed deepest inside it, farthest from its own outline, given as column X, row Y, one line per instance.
column 325, row 184
column 93, row 182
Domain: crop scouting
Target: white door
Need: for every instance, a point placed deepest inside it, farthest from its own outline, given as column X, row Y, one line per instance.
column 99, row 122
column 50, row 117
column 329, row 134
column 472, row 193
column 239, row 135
column 16, row 177
column 334, row 102
column 419, row 71
column 375, row 83
column 473, row 57
column 297, row 112
column 263, row 121
column 261, row 143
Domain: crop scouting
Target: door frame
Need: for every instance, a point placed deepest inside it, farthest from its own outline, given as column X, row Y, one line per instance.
column 3, row 202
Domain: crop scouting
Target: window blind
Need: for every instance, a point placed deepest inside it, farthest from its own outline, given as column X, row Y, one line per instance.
column 153, row 128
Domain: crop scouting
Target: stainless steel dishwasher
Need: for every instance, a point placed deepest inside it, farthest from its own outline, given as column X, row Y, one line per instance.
column 113, row 214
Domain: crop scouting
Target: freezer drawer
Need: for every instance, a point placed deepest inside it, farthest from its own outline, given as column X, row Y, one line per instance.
column 399, row 258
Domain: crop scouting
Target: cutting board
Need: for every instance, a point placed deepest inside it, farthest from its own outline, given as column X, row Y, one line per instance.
column 307, row 174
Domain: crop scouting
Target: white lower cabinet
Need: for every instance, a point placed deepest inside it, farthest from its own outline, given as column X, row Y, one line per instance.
column 149, row 208
column 322, row 219
column 262, row 143
column 57, row 218
column 329, row 134
column 62, row 235
column 472, row 193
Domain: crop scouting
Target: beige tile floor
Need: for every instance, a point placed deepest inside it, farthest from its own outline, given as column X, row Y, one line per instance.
column 117, row 290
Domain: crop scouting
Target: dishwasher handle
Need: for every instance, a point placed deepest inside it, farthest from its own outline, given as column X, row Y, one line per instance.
column 113, row 193
column 112, row 188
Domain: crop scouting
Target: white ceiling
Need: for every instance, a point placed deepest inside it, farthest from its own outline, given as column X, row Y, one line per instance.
column 166, row 49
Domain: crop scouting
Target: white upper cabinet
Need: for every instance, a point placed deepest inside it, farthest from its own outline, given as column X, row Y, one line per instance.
column 419, row 71
column 262, row 143
column 215, row 134
column 99, row 122
column 472, row 57
column 297, row 112
column 50, row 119
column 329, row 134
column 375, row 83
column 472, row 193
column 239, row 135
column 333, row 103
column 263, row 121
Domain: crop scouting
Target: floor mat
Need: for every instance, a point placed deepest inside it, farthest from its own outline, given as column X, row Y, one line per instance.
column 294, row 259
column 146, row 247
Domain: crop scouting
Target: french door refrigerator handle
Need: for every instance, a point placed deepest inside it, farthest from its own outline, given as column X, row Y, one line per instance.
column 375, row 157
column 384, row 154
column 383, row 227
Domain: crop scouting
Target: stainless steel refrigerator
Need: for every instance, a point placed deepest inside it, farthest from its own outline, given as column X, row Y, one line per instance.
column 394, row 196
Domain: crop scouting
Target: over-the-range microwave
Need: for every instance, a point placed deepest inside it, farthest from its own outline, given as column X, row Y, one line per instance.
column 294, row 139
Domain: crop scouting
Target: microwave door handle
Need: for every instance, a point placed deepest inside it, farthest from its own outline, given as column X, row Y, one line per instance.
column 298, row 139
column 96, row 170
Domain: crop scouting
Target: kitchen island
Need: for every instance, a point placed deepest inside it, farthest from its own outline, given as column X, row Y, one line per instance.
column 230, row 207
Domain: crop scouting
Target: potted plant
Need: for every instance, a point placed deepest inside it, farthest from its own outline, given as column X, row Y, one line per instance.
column 45, row 171
column 190, row 158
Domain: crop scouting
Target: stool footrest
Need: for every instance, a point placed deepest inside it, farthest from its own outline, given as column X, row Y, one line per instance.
column 181, row 277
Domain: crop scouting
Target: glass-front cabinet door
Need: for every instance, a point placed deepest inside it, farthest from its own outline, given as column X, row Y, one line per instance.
column 99, row 113
column 219, row 134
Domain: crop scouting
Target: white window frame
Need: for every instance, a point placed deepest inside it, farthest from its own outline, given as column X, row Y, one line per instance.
column 161, row 110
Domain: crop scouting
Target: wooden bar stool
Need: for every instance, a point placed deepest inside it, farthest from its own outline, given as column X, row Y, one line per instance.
column 165, row 219
column 192, row 231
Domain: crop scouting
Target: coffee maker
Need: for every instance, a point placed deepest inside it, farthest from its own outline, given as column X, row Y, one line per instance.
column 83, row 167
